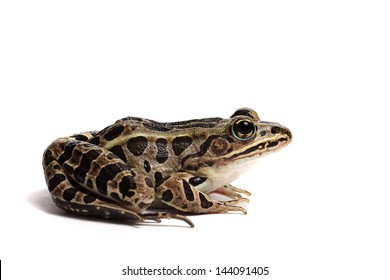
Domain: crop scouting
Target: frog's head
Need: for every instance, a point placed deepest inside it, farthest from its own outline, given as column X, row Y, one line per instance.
column 235, row 142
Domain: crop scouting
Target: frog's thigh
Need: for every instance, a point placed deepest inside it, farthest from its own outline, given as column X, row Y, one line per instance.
column 76, row 168
column 178, row 193
column 69, row 198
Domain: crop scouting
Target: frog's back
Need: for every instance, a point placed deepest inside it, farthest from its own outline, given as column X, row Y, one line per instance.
column 154, row 126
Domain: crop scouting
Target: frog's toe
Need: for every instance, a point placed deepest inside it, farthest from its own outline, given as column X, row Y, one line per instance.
column 241, row 191
column 235, row 201
column 164, row 215
column 243, row 210
column 231, row 208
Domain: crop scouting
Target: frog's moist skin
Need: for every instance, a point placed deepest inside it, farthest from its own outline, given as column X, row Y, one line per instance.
column 120, row 171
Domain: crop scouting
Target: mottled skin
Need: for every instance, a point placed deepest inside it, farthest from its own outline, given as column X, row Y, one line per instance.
column 120, row 171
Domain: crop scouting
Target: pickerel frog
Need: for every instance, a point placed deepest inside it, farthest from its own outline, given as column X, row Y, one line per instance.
column 120, row 171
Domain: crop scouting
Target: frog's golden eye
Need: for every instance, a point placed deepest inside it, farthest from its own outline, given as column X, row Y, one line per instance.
column 243, row 129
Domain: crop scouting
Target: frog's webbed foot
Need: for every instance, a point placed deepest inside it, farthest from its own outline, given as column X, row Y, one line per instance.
column 164, row 215
column 233, row 192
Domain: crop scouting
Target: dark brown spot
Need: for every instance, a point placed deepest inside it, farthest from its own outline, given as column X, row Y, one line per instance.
column 89, row 199
column 80, row 137
column 188, row 191
column 95, row 140
column 157, row 177
column 127, row 183
column 167, row 195
column 69, row 194
column 137, row 145
column 180, row 144
column 114, row 132
column 204, row 202
column 55, row 181
column 130, row 194
column 162, row 152
column 118, row 151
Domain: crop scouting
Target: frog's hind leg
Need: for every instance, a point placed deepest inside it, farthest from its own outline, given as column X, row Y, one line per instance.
column 72, row 199
column 73, row 170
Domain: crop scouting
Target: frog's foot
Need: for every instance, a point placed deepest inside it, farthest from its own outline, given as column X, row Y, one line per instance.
column 164, row 215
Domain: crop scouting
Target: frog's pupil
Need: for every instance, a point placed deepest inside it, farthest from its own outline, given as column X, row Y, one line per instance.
column 245, row 127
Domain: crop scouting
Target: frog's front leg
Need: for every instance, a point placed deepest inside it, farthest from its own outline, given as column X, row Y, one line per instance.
column 178, row 193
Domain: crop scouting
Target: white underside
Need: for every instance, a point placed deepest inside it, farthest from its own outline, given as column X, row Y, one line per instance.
column 225, row 174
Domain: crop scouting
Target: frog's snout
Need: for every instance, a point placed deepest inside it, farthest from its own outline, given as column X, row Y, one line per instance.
column 278, row 129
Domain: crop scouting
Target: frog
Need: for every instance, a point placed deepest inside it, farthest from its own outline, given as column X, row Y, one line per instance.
column 131, row 168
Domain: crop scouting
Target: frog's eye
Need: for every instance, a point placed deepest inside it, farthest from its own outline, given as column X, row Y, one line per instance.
column 243, row 129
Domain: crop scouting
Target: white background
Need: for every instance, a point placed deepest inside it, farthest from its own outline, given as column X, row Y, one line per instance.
column 320, row 209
